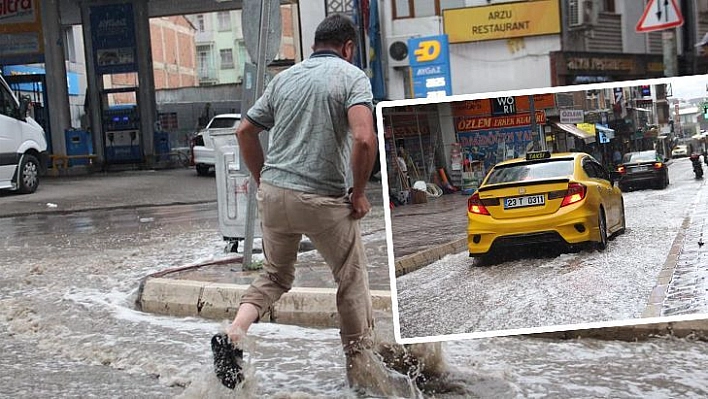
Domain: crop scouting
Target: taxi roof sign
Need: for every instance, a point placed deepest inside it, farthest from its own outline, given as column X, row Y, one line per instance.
column 535, row 155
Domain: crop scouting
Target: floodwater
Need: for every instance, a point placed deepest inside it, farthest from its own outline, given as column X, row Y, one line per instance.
column 68, row 328
column 452, row 296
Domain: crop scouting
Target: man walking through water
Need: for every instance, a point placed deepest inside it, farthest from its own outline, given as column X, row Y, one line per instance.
column 319, row 114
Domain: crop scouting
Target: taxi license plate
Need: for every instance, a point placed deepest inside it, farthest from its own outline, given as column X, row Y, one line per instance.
column 529, row 200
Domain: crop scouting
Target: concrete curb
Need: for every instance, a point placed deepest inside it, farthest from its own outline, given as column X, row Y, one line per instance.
column 418, row 260
column 658, row 294
column 312, row 307
column 691, row 329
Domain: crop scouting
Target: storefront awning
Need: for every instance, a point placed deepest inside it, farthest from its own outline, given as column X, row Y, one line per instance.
column 604, row 129
column 581, row 134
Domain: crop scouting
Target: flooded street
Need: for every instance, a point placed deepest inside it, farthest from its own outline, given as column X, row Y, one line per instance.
column 541, row 289
column 68, row 328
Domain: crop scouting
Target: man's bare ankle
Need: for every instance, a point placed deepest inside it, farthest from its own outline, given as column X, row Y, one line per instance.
column 236, row 334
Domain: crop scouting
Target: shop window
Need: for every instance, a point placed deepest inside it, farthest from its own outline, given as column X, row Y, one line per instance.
column 423, row 8
column 227, row 58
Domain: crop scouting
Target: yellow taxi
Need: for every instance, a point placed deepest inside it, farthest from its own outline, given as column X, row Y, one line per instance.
column 567, row 198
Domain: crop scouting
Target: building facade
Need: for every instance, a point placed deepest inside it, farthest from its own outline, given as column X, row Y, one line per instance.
column 221, row 46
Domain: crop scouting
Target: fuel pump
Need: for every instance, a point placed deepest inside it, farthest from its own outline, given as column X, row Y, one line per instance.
column 121, row 127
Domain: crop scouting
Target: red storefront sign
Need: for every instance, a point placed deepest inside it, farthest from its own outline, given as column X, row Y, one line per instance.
column 466, row 123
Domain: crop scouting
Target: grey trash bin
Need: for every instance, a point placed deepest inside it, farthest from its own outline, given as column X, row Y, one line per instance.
column 232, row 180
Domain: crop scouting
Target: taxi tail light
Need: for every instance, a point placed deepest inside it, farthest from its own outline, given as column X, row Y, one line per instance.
column 575, row 193
column 474, row 205
column 658, row 165
column 621, row 169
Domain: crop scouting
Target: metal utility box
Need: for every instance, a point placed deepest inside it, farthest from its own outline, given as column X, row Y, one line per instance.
column 161, row 141
column 78, row 142
column 231, row 186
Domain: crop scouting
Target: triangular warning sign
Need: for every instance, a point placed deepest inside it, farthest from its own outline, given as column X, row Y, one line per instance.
column 660, row 15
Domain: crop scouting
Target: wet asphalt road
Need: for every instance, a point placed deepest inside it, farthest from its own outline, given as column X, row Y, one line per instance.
column 548, row 288
column 68, row 327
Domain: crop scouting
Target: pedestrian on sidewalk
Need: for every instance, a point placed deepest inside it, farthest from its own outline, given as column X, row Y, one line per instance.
column 319, row 117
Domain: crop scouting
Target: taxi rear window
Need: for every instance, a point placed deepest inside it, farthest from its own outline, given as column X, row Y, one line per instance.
column 531, row 171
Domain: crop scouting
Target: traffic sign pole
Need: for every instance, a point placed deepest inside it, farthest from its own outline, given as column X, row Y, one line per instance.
column 268, row 43
column 668, row 38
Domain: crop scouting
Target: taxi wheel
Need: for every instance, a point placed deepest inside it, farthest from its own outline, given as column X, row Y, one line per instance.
column 602, row 226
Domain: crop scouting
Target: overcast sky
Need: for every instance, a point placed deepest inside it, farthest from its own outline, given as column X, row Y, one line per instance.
column 687, row 87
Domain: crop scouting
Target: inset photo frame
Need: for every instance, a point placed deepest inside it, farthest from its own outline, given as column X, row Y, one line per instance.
column 549, row 209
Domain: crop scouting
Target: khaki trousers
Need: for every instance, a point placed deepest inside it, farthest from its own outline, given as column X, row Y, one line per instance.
column 287, row 215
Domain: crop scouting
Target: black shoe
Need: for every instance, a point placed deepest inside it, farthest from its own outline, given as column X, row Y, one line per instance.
column 228, row 360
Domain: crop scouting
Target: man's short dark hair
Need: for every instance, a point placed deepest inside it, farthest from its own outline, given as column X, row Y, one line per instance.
column 335, row 30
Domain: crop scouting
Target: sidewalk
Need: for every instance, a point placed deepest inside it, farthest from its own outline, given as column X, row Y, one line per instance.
column 422, row 234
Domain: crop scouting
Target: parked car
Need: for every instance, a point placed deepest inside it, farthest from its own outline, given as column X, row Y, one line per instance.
column 567, row 198
column 23, row 145
column 643, row 168
column 679, row 151
column 203, row 152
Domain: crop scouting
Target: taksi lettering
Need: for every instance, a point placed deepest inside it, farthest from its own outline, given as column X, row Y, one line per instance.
column 428, row 50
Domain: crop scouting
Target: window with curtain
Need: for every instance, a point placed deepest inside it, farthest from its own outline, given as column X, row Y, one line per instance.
column 227, row 58
column 224, row 20
column 200, row 23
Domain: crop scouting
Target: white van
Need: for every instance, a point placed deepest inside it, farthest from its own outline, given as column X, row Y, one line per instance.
column 23, row 146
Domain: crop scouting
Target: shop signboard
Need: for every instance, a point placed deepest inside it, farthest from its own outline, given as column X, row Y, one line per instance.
column 502, row 21
column 471, row 108
column 113, row 38
column 587, row 127
column 540, row 101
column 21, row 38
column 430, row 66
column 503, row 106
column 495, row 145
column 483, row 107
column 465, row 123
column 572, row 116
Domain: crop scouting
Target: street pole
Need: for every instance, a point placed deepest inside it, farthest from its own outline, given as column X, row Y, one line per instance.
column 670, row 52
column 259, row 84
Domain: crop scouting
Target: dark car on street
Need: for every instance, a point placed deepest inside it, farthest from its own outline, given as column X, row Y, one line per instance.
column 643, row 169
